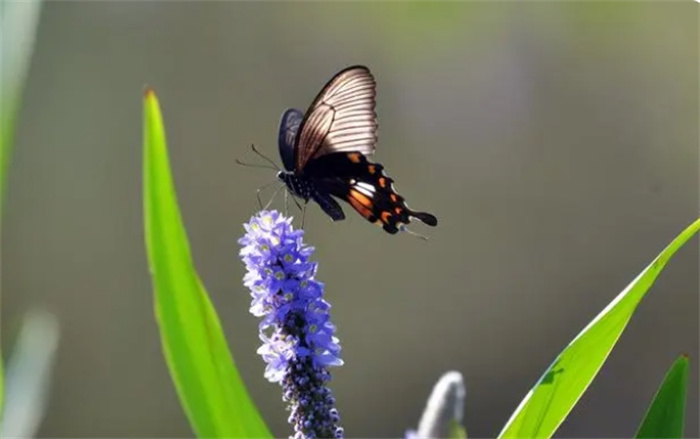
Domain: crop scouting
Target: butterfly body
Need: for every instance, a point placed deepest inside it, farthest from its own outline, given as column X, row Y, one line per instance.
column 324, row 153
column 306, row 189
column 298, row 185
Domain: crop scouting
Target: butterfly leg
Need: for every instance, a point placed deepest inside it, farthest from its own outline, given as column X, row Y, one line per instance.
column 260, row 189
column 303, row 215
column 296, row 202
column 273, row 197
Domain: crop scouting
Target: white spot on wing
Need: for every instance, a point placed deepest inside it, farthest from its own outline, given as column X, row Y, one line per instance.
column 366, row 186
column 365, row 189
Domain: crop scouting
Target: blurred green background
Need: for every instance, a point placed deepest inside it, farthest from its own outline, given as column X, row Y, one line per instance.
column 556, row 142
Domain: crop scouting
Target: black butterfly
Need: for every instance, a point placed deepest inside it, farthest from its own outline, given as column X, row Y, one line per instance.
column 324, row 154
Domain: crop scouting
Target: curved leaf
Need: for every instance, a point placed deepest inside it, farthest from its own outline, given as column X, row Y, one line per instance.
column 549, row 402
column 666, row 415
column 444, row 411
column 210, row 389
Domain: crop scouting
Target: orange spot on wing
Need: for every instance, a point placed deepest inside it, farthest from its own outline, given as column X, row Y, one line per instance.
column 362, row 210
column 398, row 211
column 372, row 169
column 361, row 198
column 382, row 182
column 354, row 157
column 386, row 216
column 394, row 198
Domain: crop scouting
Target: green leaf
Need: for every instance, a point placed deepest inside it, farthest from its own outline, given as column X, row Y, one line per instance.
column 18, row 23
column 456, row 431
column 29, row 374
column 551, row 399
column 210, row 389
column 665, row 417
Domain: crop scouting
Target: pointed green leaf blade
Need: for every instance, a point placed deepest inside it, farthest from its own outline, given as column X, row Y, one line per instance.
column 210, row 389
column 551, row 399
column 666, row 415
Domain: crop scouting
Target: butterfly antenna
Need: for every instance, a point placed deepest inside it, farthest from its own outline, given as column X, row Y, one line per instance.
column 403, row 228
column 255, row 150
column 253, row 165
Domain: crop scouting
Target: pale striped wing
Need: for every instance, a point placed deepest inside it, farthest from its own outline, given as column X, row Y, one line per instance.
column 341, row 118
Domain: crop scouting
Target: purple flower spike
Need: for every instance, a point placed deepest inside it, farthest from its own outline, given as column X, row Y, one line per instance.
column 299, row 342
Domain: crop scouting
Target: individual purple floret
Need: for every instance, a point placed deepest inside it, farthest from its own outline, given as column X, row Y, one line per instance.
column 298, row 338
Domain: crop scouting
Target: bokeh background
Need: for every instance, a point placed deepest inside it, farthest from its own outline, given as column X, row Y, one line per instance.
column 556, row 142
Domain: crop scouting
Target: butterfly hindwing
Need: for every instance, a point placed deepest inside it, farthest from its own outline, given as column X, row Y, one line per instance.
column 366, row 187
column 289, row 127
column 329, row 205
column 342, row 118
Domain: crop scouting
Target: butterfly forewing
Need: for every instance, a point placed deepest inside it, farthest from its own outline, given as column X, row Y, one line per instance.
column 289, row 127
column 342, row 118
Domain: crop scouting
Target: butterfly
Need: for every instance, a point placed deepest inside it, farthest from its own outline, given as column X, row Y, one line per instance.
column 324, row 153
